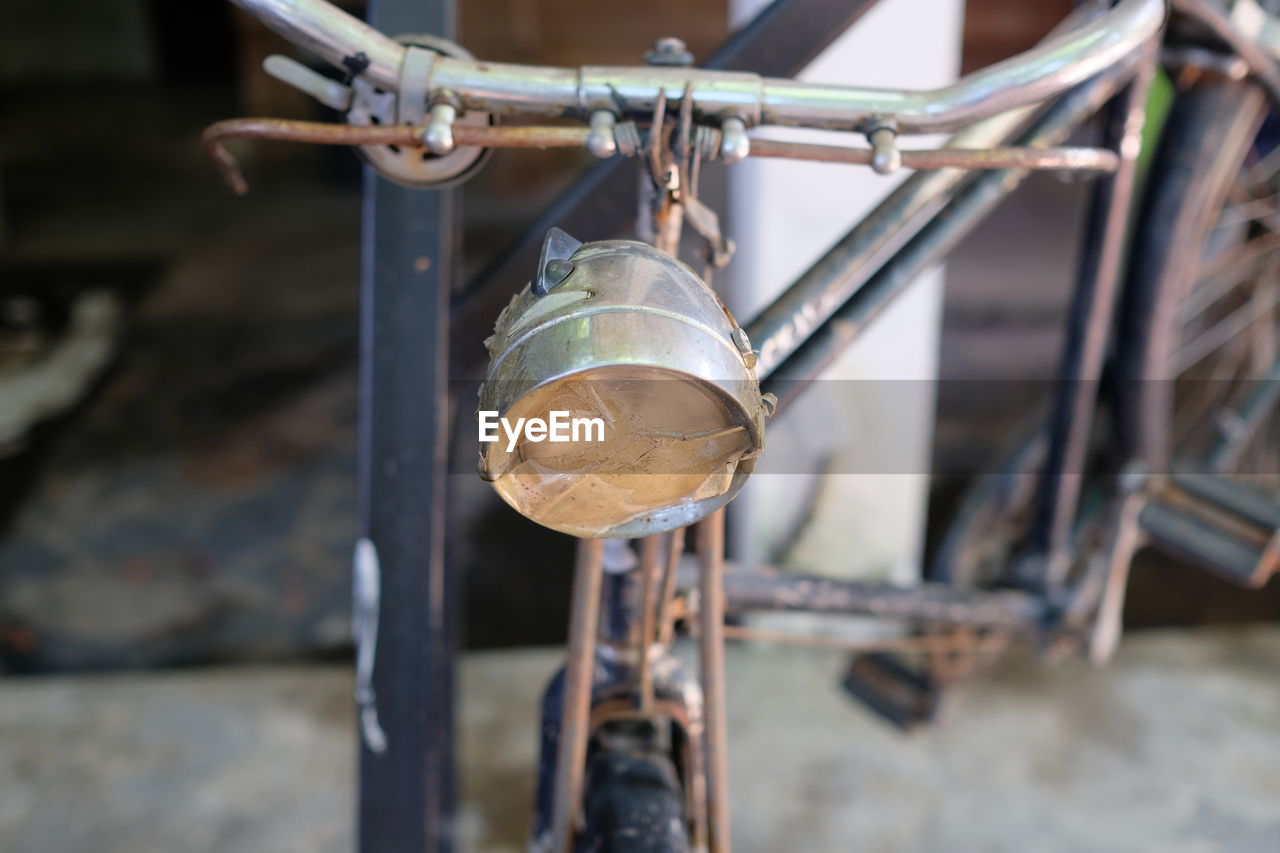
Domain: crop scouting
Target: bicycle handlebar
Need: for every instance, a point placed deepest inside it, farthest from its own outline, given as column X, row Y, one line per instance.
column 632, row 91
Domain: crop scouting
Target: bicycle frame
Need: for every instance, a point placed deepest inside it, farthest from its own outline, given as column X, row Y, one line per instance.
column 1103, row 60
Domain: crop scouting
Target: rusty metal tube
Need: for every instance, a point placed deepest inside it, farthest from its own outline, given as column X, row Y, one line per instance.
column 575, row 711
column 907, row 644
column 668, row 587
column 710, row 542
column 520, row 136
column 769, row 589
column 650, row 565
column 217, row 135
column 1067, row 159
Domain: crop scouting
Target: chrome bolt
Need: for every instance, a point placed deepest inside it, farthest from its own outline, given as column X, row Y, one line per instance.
column 439, row 135
column 885, row 156
column 601, row 141
column 734, row 144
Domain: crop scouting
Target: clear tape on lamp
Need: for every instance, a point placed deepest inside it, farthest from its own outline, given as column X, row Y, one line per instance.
column 632, row 349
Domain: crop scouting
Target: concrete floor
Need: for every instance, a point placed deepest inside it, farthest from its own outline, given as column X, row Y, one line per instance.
column 1173, row 747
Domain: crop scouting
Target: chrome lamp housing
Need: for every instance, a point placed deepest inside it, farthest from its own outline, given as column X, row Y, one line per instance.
column 629, row 343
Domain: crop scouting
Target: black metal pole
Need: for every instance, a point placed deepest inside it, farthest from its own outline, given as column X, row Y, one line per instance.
column 406, row 798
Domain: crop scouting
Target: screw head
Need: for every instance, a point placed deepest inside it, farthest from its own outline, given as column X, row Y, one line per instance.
column 669, row 51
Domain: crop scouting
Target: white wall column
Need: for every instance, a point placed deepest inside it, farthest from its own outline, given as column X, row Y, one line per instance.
column 842, row 488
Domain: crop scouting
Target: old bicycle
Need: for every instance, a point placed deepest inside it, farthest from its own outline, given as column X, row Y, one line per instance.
column 1162, row 431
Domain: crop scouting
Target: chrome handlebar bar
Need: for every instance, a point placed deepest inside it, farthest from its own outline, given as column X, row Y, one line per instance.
column 523, row 90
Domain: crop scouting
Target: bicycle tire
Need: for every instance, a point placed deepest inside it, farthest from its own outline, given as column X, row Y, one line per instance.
column 634, row 803
column 1207, row 142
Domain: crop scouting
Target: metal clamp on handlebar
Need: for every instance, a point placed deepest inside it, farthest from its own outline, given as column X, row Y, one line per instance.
column 374, row 97
column 442, row 164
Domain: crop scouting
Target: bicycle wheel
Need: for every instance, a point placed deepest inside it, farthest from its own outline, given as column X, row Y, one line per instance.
column 634, row 803
column 1200, row 325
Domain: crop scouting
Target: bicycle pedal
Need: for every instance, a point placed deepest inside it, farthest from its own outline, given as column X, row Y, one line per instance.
column 906, row 698
column 1217, row 524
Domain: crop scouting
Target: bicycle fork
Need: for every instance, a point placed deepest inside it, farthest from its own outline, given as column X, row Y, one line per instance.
column 621, row 668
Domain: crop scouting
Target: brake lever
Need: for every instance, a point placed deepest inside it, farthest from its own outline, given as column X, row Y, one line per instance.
column 291, row 72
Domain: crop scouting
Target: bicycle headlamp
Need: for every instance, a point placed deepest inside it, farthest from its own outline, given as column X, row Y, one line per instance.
column 619, row 399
